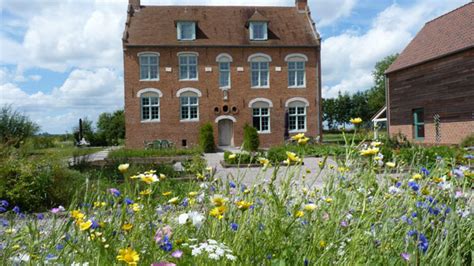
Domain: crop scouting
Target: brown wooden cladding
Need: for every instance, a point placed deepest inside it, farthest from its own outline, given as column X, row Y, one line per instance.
column 444, row 86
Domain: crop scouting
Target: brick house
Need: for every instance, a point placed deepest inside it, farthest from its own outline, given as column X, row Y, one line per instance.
column 188, row 65
column 430, row 95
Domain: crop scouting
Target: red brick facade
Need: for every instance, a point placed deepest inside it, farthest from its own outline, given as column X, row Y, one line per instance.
column 239, row 96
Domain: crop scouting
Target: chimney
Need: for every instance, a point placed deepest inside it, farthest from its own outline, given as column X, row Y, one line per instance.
column 301, row 5
column 135, row 4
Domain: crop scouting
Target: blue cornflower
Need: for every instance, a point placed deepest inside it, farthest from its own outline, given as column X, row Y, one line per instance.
column 306, row 262
column 412, row 233
column 128, row 201
column 59, row 246
column 16, row 209
column 413, row 185
column 114, row 192
column 166, row 246
column 212, row 188
column 425, row 171
column 269, row 256
column 398, row 184
column 40, row 216
column 414, row 214
column 5, row 223
column 434, row 211
column 51, row 257
column 232, row 184
column 2, row 209
column 185, row 202
column 4, row 203
column 469, row 156
column 406, row 220
column 95, row 224
column 431, row 200
column 234, row 226
column 447, row 210
column 243, row 187
column 423, row 243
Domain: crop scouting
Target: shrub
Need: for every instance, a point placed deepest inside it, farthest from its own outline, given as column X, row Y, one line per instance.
column 468, row 141
column 15, row 127
column 206, row 138
column 251, row 141
column 240, row 158
column 123, row 154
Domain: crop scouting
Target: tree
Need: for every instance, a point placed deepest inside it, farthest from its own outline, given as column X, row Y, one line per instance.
column 376, row 94
column 111, row 127
column 329, row 112
column 15, row 127
column 251, row 140
column 206, row 138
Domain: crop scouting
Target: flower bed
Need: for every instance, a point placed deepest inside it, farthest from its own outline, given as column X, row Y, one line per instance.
column 356, row 217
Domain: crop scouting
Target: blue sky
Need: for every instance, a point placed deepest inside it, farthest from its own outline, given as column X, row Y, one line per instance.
column 61, row 60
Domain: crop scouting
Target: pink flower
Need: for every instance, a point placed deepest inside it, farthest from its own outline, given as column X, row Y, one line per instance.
column 161, row 232
column 177, row 254
column 405, row 256
column 163, row 263
column 58, row 209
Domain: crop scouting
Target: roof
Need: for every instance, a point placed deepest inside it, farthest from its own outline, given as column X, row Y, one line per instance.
column 445, row 35
column 219, row 26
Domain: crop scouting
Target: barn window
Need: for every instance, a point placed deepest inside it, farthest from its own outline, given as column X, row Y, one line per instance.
column 418, row 123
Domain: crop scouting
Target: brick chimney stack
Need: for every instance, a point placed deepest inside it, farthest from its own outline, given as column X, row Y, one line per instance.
column 301, row 5
column 135, row 4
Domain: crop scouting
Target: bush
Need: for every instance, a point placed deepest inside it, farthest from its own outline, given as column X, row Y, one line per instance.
column 428, row 156
column 241, row 158
column 251, row 141
column 206, row 138
column 15, row 127
column 468, row 141
column 128, row 153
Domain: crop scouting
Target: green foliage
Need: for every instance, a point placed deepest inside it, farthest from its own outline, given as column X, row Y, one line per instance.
column 15, row 128
column 206, row 138
column 111, row 127
column 240, row 158
column 468, row 141
column 376, row 95
column 196, row 165
column 129, row 153
column 251, row 141
column 278, row 153
column 428, row 156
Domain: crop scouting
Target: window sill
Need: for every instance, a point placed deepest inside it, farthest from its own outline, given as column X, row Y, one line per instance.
column 149, row 80
column 188, row 120
column 189, row 79
column 186, row 40
column 296, row 87
column 256, row 88
column 264, row 132
column 258, row 40
column 224, row 88
column 297, row 131
column 150, row 121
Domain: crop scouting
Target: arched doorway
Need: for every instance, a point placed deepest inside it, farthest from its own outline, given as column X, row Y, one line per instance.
column 225, row 132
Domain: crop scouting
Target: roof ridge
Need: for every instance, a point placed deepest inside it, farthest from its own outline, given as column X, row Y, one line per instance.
column 452, row 11
column 214, row 6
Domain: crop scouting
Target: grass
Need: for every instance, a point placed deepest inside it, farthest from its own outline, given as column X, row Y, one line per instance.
column 364, row 213
column 128, row 153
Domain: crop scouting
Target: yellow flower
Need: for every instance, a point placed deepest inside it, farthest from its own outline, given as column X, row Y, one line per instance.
column 298, row 136
column 369, row 151
column 129, row 256
column 167, row 193
column 310, row 207
column 145, row 192
column 287, row 162
column 246, row 191
column 232, row 156
column 174, row 200
column 425, row 191
column 437, row 179
column 292, row 157
column 200, row 176
column 136, row 207
column 77, row 214
column 218, row 212
column 328, row 200
column 264, row 161
column 390, row 164
column 83, row 226
column 98, row 204
column 308, row 171
column 321, row 164
column 149, row 178
column 192, row 194
column 299, row 214
column 127, row 227
column 322, row 244
column 218, row 200
column 209, row 169
column 162, row 176
column 377, row 158
column 243, row 205
column 303, row 141
column 375, row 143
column 123, row 168
column 417, row 176
column 356, row 120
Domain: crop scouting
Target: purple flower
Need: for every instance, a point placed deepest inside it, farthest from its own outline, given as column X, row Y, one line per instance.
column 59, row 246
column 167, row 245
column 95, row 224
column 413, row 185
column 4, row 203
column 163, row 263
column 232, row 184
column 5, row 223
column 185, row 202
column 234, row 226
column 412, row 233
column 16, row 209
column 458, row 173
column 177, row 254
column 114, row 192
column 128, row 201
column 425, row 171
column 414, row 214
column 40, row 216
column 398, row 184
column 406, row 220
column 405, row 256
column 423, row 243
column 2, row 209
column 58, row 209
column 344, row 223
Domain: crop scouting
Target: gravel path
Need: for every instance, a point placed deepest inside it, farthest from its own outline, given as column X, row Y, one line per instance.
column 253, row 175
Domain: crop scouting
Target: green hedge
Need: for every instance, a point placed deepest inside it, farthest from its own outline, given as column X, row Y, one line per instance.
column 206, row 138
column 128, row 153
column 251, row 140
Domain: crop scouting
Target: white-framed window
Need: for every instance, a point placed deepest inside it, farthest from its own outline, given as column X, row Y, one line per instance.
column 224, row 75
column 261, row 115
column 150, row 106
column 258, row 31
column 149, row 66
column 297, row 116
column 296, row 70
column 186, row 30
column 189, row 104
column 260, row 70
column 188, row 65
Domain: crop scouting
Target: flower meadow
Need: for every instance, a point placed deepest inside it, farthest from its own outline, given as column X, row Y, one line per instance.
column 367, row 211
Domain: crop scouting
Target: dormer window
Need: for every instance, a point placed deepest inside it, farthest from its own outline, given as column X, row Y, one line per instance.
column 258, row 31
column 186, row 30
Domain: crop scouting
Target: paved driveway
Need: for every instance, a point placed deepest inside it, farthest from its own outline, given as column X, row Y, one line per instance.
column 254, row 175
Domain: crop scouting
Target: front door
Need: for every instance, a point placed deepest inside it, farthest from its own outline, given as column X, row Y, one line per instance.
column 226, row 132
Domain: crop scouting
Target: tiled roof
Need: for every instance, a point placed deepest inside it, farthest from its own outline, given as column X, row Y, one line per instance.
column 442, row 36
column 219, row 26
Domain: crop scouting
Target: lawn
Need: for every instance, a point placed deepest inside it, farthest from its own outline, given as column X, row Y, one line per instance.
column 358, row 216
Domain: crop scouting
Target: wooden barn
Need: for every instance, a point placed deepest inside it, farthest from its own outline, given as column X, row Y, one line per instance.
column 430, row 87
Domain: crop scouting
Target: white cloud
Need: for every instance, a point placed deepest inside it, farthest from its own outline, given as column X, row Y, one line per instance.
column 84, row 94
column 327, row 12
column 348, row 59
